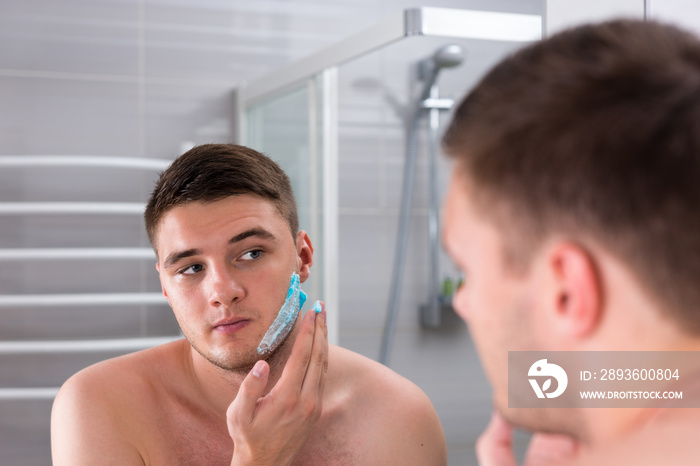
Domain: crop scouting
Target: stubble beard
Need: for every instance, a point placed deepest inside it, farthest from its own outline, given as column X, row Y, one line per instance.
column 242, row 362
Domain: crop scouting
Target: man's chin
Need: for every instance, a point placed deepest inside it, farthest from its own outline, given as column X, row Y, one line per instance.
column 229, row 359
column 517, row 417
column 243, row 361
column 545, row 420
column 232, row 358
column 232, row 363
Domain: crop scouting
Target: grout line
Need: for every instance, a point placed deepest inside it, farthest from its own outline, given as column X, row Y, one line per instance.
column 112, row 78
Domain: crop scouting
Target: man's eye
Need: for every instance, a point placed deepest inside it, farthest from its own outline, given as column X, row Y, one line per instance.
column 192, row 269
column 251, row 255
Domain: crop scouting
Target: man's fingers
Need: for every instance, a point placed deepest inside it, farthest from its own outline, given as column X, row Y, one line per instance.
column 295, row 370
column 252, row 388
column 499, row 432
column 322, row 382
column 318, row 364
column 284, row 418
column 551, row 449
column 495, row 445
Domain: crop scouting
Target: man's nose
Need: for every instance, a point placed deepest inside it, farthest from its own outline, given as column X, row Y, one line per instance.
column 223, row 288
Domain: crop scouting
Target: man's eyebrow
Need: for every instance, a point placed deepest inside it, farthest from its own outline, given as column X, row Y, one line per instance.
column 177, row 256
column 257, row 232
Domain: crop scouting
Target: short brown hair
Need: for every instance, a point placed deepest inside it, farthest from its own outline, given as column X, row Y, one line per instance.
column 596, row 132
column 214, row 171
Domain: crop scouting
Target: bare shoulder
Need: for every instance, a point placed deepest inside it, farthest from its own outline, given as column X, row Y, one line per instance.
column 372, row 380
column 394, row 408
column 97, row 412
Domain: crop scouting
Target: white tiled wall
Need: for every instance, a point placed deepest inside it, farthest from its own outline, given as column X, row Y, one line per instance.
column 145, row 78
column 684, row 13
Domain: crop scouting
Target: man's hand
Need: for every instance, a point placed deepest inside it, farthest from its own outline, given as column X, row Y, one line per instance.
column 495, row 447
column 271, row 430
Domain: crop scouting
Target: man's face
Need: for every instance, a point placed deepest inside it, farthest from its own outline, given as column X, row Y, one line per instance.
column 225, row 267
column 494, row 301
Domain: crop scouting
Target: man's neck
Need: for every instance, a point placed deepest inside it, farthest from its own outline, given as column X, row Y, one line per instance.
column 606, row 426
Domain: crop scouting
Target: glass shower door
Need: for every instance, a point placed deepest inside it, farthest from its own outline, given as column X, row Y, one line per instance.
column 297, row 129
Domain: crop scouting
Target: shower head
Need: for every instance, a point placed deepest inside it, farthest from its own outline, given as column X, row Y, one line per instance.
column 447, row 56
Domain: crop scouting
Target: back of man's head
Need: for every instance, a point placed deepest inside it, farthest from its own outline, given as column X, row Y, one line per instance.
column 211, row 172
column 594, row 134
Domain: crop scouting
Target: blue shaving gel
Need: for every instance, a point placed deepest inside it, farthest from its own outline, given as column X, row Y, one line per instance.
column 317, row 307
column 284, row 322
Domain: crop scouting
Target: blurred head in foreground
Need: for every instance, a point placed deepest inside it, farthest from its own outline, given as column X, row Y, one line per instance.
column 574, row 207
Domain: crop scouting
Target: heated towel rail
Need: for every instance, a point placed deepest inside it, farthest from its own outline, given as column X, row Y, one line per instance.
column 95, row 256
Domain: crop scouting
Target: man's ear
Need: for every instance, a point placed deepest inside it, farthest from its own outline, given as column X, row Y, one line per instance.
column 305, row 255
column 577, row 301
column 165, row 293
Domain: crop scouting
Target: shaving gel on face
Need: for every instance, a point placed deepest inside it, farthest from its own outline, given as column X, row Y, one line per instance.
column 284, row 322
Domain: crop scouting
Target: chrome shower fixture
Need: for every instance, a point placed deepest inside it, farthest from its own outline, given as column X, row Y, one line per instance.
column 428, row 104
column 447, row 56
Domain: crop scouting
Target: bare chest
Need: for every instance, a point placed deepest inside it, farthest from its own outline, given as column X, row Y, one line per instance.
column 179, row 436
column 185, row 438
column 330, row 445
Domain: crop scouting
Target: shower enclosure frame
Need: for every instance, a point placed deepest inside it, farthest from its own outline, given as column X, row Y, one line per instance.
column 316, row 78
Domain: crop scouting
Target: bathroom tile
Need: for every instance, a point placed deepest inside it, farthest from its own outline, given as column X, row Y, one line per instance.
column 73, row 231
column 85, row 276
column 395, row 180
column 375, row 235
column 461, row 455
column 676, row 11
column 68, row 117
column 71, row 184
column 359, row 184
column 86, row 322
column 217, row 41
column 70, row 37
column 178, row 116
column 46, row 369
column 25, row 432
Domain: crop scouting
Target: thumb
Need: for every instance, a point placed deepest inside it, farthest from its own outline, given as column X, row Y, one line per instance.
column 243, row 407
column 495, row 446
column 551, row 449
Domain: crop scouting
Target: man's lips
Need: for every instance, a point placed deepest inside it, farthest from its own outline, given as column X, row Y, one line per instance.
column 230, row 325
